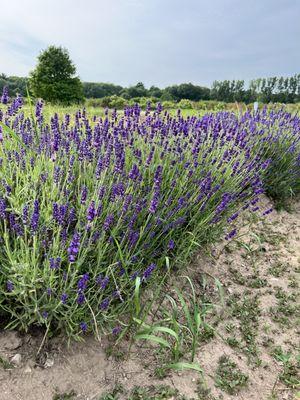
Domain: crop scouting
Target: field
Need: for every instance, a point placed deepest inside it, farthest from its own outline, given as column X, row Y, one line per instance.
column 165, row 242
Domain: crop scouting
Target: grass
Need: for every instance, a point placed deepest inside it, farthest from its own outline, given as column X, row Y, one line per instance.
column 180, row 331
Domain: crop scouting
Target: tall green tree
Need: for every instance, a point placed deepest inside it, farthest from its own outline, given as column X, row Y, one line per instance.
column 54, row 78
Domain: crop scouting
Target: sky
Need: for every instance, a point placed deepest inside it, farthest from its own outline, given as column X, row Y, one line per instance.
column 157, row 42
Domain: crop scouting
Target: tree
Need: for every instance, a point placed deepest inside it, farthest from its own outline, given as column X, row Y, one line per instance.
column 188, row 91
column 100, row 90
column 138, row 90
column 54, row 77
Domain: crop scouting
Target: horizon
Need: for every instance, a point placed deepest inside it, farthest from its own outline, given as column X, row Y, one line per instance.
column 160, row 44
column 163, row 87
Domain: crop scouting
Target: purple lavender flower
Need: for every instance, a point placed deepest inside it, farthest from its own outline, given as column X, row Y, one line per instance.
column 268, row 211
column 102, row 282
column 4, row 97
column 108, row 222
column 80, row 298
column 171, row 244
column 91, row 212
column 55, row 262
column 104, row 304
column 2, row 208
column 83, row 281
column 45, row 314
column 134, row 173
column 157, row 183
column 84, row 193
column 148, row 272
column 9, row 286
column 233, row 217
column 64, row 298
column 231, row 234
column 116, row 330
column 25, row 215
column 83, row 326
column 74, row 247
column 35, row 217
column 39, row 111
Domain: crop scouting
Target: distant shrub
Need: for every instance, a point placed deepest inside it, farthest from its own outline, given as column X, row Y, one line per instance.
column 185, row 104
column 169, row 104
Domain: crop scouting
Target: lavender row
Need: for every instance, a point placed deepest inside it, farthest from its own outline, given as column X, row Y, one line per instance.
column 88, row 204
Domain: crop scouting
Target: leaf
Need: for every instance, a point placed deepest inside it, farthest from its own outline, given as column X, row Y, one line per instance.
column 167, row 263
column 185, row 365
column 11, row 133
column 197, row 320
column 137, row 295
column 165, row 329
column 141, row 323
column 153, row 338
column 186, row 310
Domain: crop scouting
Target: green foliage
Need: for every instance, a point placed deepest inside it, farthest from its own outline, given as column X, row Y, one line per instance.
column 99, row 90
column 274, row 89
column 54, row 77
column 5, row 364
column 188, row 91
column 290, row 367
column 151, row 392
column 264, row 90
column 229, row 377
column 65, row 396
column 181, row 329
column 15, row 84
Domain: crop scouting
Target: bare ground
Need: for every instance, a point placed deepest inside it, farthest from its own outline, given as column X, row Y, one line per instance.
column 256, row 327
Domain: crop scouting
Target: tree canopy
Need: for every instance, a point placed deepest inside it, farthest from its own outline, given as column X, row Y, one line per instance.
column 54, row 78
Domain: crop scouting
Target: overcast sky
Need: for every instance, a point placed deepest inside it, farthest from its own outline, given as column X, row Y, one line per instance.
column 158, row 42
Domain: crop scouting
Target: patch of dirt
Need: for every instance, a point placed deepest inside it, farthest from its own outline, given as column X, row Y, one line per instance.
column 257, row 327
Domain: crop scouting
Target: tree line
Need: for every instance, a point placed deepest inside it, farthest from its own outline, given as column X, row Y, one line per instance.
column 54, row 79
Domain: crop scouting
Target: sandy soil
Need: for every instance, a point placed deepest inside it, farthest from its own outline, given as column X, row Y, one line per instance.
column 262, row 259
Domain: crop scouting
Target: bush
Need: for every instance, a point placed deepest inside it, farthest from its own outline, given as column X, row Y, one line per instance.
column 168, row 104
column 185, row 104
column 87, row 207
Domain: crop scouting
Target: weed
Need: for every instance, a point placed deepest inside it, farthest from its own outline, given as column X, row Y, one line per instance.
column 113, row 394
column 232, row 342
column 160, row 392
column 65, row 396
column 290, row 374
column 278, row 269
column 181, row 329
column 285, row 308
column 5, row 364
column 247, row 311
column 229, row 377
column 203, row 392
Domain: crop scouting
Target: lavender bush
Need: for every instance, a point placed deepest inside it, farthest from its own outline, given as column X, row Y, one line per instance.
column 87, row 205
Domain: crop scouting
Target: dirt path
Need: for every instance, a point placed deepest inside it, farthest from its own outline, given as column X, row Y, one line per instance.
column 257, row 333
